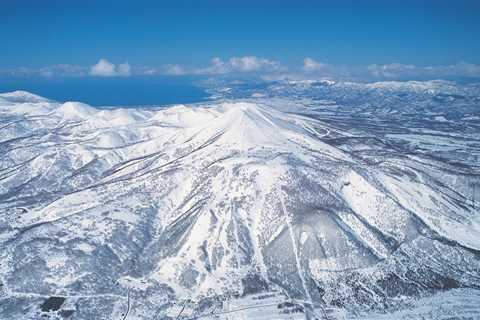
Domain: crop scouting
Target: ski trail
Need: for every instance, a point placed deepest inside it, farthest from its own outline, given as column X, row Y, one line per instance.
column 295, row 251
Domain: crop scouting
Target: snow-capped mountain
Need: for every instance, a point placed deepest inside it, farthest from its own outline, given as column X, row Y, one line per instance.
column 321, row 203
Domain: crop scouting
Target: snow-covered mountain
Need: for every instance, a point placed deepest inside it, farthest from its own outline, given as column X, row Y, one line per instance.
column 298, row 197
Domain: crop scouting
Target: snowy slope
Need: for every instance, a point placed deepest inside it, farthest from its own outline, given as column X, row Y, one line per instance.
column 151, row 210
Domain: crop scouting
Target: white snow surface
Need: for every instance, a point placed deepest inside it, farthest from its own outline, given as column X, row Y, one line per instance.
column 198, row 198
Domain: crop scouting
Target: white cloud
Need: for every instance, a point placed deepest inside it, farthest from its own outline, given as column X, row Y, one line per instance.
column 393, row 70
column 217, row 66
column 63, row 70
column 104, row 68
column 240, row 64
column 169, row 70
column 174, row 70
column 59, row 70
column 251, row 63
column 263, row 67
column 123, row 69
column 310, row 65
column 398, row 70
column 313, row 69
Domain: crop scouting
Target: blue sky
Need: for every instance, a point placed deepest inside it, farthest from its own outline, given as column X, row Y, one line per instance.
column 431, row 38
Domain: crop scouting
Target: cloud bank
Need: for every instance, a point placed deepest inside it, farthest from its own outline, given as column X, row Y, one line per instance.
column 267, row 69
column 394, row 71
column 398, row 70
column 218, row 66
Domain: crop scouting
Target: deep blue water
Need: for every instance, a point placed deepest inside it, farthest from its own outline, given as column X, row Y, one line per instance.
column 131, row 91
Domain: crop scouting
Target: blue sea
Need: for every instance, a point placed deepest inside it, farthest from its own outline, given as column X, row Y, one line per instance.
column 131, row 91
